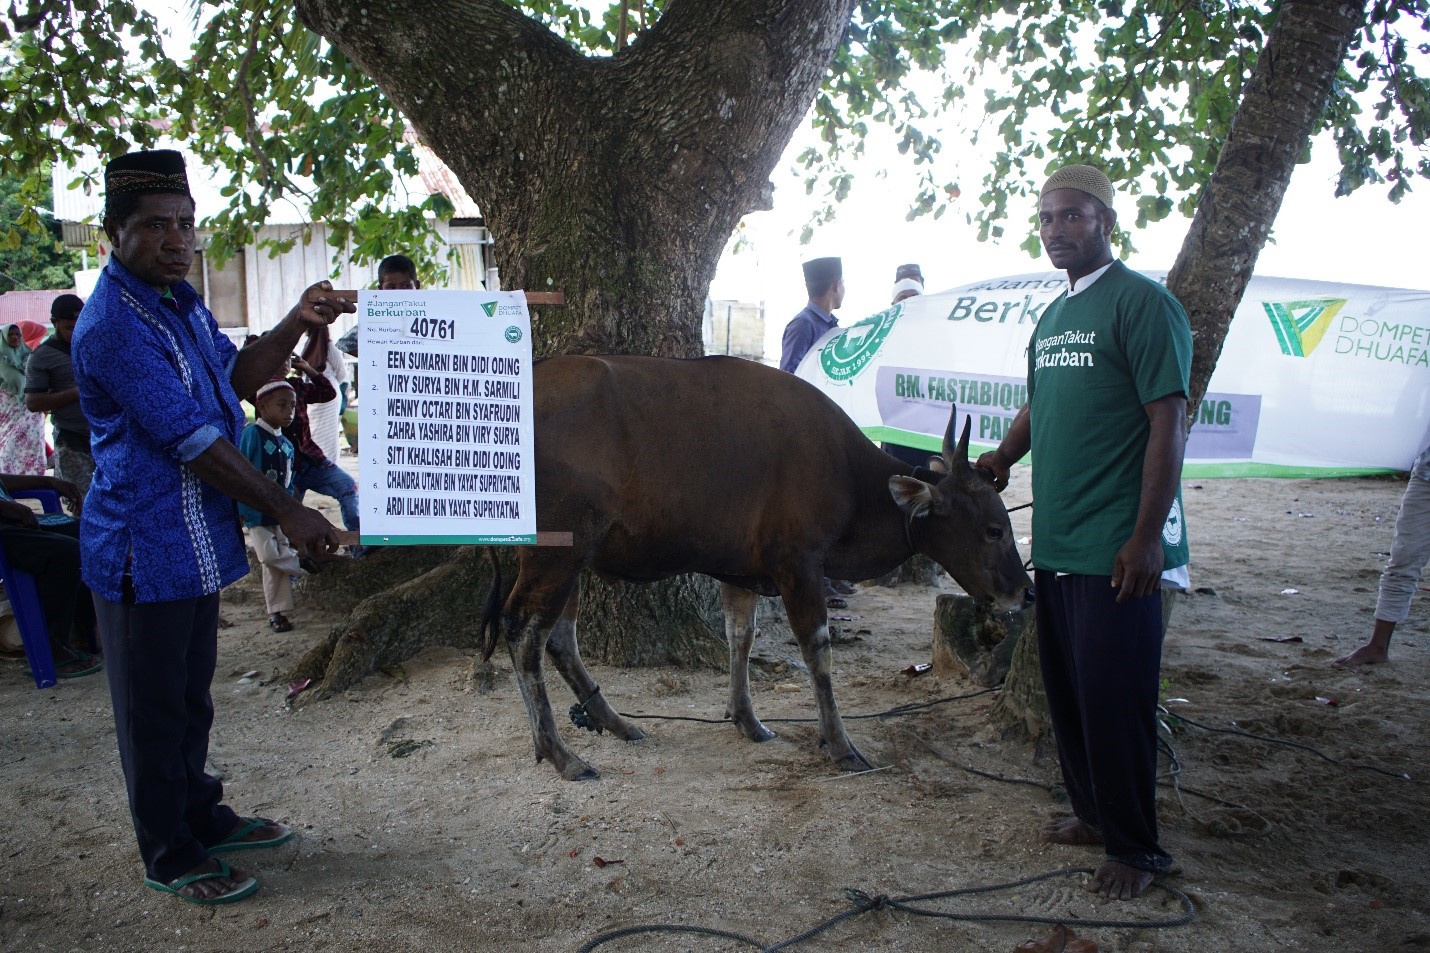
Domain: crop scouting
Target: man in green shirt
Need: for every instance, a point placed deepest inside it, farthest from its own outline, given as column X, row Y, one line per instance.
column 1108, row 368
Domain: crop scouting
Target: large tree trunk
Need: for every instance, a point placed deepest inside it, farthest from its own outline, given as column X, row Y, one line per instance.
column 398, row 601
column 616, row 180
column 1279, row 112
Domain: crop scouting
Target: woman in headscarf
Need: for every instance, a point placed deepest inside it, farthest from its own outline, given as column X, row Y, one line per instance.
column 22, row 433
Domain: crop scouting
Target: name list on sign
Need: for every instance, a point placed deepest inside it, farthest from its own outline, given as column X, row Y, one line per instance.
column 445, row 403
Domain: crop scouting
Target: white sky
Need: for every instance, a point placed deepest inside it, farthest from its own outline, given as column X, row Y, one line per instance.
column 1359, row 239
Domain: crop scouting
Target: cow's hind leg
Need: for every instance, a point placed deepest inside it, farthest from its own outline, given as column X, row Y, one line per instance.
column 566, row 656
column 527, row 634
column 810, row 622
column 739, row 605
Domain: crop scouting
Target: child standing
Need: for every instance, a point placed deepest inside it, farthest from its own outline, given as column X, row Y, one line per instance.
column 267, row 449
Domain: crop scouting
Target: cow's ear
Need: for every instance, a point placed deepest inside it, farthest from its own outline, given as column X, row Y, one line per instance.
column 915, row 497
column 936, row 464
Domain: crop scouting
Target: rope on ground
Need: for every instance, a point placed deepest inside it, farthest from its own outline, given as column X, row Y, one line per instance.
column 934, row 750
column 863, row 902
column 1357, row 766
column 895, row 712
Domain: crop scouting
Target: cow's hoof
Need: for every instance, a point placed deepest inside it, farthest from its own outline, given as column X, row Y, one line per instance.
column 752, row 728
column 579, row 770
column 758, row 733
column 630, row 733
column 853, row 761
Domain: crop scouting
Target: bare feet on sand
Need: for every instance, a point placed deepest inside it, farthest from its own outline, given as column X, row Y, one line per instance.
column 1117, row 881
column 1069, row 830
column 1368, row 654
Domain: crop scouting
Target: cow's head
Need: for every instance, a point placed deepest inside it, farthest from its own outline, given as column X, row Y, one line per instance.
column 961, row 523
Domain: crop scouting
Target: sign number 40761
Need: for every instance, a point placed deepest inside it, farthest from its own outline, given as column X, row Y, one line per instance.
column 444, row 330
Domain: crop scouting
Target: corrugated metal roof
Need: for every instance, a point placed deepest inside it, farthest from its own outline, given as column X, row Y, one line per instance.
column 438, row 179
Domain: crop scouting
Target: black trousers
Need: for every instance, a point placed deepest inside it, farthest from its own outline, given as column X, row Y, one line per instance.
column 1101, row 666
column 160, row 659
column 51, row 555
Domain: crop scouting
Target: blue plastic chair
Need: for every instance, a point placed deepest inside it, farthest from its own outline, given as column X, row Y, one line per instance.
column 25, row 601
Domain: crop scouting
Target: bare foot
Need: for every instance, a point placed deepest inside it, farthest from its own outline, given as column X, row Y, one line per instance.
column 1069, row 830
column 1117, row 881
column 1368, row 654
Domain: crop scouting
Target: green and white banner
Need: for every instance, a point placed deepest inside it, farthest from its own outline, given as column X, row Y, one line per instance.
column 445, row 418
column 1315, row 379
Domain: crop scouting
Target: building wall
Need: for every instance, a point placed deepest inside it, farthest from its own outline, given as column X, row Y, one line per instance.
column 736, row 328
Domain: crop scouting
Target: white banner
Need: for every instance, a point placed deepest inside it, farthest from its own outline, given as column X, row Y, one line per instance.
column 1315, row 378
column 446, row 438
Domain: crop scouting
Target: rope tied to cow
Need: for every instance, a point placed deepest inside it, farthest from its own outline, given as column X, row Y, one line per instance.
column 581, row 718
column 862, row 902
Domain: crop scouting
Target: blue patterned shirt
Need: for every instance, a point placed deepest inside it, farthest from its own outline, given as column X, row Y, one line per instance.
column 153, row 374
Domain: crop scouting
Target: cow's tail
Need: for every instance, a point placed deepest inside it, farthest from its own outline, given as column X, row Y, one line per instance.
column 491, row 613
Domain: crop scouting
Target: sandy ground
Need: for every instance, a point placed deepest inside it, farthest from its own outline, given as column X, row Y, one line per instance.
column 425, row 825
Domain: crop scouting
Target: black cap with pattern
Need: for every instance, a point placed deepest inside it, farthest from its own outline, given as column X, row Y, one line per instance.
column 147, row 172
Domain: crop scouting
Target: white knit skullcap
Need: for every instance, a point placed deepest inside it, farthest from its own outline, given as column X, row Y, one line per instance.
column 1083, row 178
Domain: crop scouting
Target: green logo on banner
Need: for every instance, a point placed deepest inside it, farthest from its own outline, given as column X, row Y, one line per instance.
column 513, row 334
column 490, row 307
column 1300, row 325
column 847, row 354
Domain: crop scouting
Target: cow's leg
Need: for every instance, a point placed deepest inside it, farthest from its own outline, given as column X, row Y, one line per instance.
column 740, row 605
column 804, row 601
column 566, row 655
column 527, row 633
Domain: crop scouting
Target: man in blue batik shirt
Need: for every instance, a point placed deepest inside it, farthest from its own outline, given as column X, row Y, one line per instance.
column 160, row 535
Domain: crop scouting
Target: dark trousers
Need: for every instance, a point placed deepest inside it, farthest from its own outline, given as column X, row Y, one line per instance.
column 160, row 658
column 51, row 555
column 1101, row 664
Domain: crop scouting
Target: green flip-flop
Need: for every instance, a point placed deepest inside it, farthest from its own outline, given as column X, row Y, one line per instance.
column 92, row 664
column 245, row 888
column 235, row 841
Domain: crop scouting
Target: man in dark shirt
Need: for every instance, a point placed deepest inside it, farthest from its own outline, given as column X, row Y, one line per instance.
column 824, row 282
column 50, row 388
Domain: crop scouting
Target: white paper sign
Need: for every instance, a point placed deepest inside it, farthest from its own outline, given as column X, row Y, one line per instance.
column 445, row 433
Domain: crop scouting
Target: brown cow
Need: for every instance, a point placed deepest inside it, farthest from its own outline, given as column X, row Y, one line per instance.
column 742, row 472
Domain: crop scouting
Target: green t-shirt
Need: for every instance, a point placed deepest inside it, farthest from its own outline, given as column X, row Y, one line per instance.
column 1094, row 360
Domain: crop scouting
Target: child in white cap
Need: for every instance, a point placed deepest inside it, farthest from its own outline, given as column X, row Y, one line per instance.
column 267, row 449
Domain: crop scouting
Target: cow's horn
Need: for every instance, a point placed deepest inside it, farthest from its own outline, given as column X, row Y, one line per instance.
column 959, row 454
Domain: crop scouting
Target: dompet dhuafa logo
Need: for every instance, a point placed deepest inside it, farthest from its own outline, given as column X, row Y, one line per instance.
column 847, row 354
column 1300, row 325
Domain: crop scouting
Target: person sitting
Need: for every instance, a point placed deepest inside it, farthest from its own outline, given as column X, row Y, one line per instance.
column 312, row 470
column 263, row 443
column 46, row 546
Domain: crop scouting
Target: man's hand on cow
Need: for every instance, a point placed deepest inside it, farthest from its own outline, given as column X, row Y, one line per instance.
column 319, row 307
column 993, row 462
column 310, row 533
column 1137, row 570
